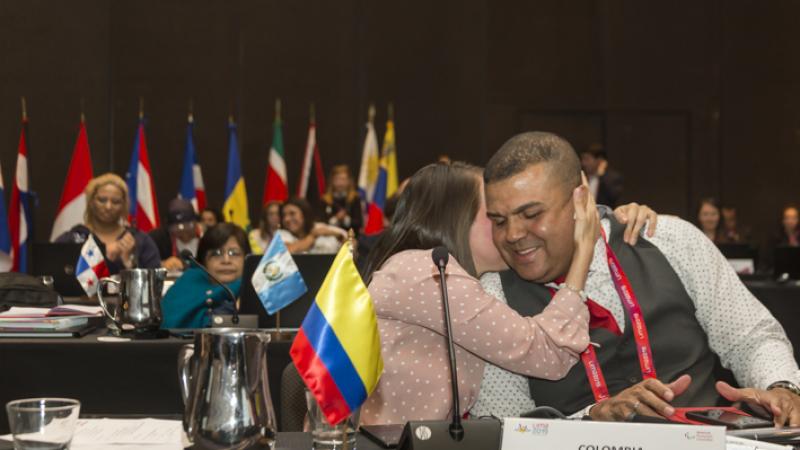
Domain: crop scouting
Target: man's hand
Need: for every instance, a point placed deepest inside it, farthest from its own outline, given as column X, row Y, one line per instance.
column 650, row 397
column 172, row 263
column 783, row 404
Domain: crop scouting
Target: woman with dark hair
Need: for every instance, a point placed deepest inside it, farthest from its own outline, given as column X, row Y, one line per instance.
column 194, row 297
column 443, row 205
column 268, row 225
column 708, row 219
column 302, row 235
column 210, row 217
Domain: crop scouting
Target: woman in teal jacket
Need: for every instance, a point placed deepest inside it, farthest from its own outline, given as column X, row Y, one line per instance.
column 221, row 250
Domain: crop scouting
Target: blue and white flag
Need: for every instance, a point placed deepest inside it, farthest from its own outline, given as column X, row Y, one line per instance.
column 91, row 266
column 277, row 280
column 5, row 235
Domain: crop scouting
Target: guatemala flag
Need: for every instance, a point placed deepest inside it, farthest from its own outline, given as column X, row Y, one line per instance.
column 91, row 266
column 277, row 279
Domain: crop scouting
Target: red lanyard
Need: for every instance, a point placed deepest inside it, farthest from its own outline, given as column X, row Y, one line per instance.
column 589, row 357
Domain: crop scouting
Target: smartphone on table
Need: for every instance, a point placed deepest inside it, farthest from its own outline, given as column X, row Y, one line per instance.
column 731, row 419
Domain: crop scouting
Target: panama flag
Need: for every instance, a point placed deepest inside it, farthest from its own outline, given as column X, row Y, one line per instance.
column 91, row 266
column 144, row 207
column 19, row 215
column 368, row 173
column 5, row 236
column 235, row 207
column 337, row 349
column 192, row 187
column 277, row 280
column 73, row 199
column 312, row 153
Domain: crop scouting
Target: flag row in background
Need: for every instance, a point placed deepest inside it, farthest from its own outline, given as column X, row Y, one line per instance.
column 377, row 177
column 377, row 181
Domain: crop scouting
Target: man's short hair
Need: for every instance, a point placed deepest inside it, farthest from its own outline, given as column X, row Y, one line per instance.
column 535, row 147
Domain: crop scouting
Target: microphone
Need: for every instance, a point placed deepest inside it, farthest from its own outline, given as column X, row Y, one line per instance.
column 471, row 434
column 187, row 256
column 440, row 257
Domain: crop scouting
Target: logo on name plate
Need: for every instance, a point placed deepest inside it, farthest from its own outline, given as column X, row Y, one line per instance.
column 703, row 436
column 533, row 429
column 423, row 433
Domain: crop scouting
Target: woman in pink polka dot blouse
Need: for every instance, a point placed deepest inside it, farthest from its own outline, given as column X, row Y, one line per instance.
column 443, row 205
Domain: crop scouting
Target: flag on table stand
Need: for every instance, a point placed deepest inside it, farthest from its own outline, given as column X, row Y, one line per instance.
column 312, row 153
column 368, row 173
column 19, row 214
column 235, row 206
column 73, row 199
column 143, row 205
column 192, row 187
column 91, row 266
column 276, row 280
column 275, row 185
column 5, row 237
column 337, row 350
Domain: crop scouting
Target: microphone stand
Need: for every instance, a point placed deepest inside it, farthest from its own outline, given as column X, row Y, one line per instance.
column 456, row 429
column 472, row 434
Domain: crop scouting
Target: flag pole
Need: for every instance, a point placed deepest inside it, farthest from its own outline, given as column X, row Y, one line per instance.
column 83, row 110
column 277, row 109
column 24, row 109
column 190, row 117
column 141, row 108
column 312, row 113
column 351, row 238
column 371, row 114
column 390, row 112
column 278, row 324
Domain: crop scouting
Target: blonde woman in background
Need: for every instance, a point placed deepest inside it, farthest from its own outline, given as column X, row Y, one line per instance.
column 105, row 219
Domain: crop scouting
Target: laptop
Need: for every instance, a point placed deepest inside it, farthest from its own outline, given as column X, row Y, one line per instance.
column 313, row 269
column 58, row 261
column 742, row 257
column 787, row 260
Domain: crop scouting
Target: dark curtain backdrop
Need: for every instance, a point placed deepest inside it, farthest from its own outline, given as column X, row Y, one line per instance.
column 691, row 98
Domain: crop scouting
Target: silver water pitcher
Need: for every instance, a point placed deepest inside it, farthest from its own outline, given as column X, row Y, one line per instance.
column 225, row 388
column 139, row 303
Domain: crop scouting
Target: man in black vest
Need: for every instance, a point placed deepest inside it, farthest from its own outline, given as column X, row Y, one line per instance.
column 667, row 310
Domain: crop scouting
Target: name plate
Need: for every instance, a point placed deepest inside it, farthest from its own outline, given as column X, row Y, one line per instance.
column 525, row 434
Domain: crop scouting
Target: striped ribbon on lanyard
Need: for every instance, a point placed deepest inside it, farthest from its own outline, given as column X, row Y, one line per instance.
column 594, row 372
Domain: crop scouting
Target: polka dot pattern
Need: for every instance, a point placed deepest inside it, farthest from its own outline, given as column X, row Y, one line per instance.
column 415, row 383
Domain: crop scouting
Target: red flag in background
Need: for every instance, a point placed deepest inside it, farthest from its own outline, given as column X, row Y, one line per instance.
column 314, row 195
column 73, row 199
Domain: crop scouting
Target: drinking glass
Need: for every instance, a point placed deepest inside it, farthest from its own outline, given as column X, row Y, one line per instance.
column 43, row 423
column 330, row 437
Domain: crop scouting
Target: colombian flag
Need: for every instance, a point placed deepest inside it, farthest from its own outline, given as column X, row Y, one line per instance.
column 235, row 206
column 337, row 350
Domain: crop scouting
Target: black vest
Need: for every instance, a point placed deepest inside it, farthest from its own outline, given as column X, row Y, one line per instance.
column 678, row 342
